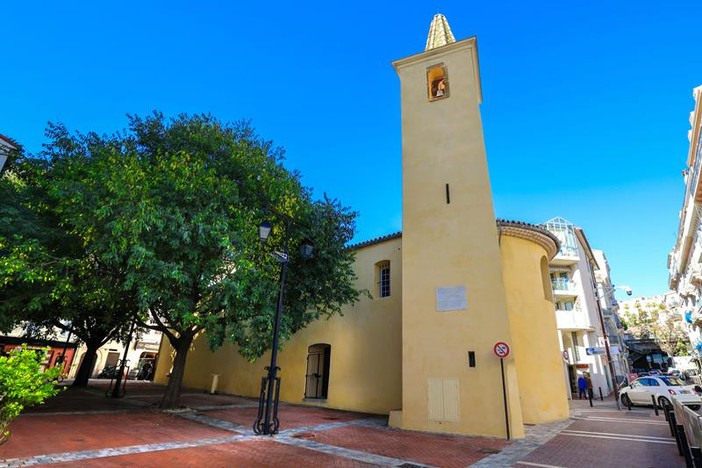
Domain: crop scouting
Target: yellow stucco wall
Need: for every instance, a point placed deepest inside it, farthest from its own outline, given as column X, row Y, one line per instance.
column 365, row 371
column 450, row 245
column 535, row 336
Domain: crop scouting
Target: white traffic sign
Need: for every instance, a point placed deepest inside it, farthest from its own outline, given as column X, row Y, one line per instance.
column 613, row 350
column 501, row 349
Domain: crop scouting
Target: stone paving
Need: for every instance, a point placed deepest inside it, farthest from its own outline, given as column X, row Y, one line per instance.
column 83, row 428
column 606, row 437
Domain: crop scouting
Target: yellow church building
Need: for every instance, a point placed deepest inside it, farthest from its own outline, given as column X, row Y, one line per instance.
column 454, row 290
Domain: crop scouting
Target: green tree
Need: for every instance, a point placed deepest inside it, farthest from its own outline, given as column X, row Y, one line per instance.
column 174, row 206
column 670, row 334
column 651, row 319
column 48, row 275
column 23, row 383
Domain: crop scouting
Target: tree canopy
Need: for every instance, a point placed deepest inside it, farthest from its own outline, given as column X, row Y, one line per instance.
column 167, row 211
column 49, row 277
column 652, row 319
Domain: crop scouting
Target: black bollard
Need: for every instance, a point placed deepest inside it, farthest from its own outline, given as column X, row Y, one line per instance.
column 696, row 456
column 601, row 397
column 671, row 424
column 683, row 444
column 655, row 406
column 673, row 432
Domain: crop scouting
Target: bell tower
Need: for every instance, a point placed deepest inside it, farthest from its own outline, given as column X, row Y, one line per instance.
column 453, row 298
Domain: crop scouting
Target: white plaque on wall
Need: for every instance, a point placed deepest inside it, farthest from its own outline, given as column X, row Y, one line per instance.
column 451, row 298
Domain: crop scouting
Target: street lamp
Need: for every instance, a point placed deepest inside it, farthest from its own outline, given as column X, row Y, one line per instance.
column 607, row 293
column 267, row 420
column 116, row 391
column 62, row 356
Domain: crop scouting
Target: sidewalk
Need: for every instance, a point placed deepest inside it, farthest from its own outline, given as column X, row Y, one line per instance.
column 83, row 427
column 602, row 436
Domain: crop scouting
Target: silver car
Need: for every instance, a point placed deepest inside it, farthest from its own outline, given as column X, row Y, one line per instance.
column 663, row 388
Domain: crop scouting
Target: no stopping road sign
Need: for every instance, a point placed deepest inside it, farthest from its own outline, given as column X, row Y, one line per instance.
column 501, row 349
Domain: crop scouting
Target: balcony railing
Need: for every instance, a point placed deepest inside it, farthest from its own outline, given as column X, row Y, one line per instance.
column 572, row 320
column 562, row 284
column 568, row 251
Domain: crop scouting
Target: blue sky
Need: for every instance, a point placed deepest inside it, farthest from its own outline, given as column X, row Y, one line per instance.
column 585, row 107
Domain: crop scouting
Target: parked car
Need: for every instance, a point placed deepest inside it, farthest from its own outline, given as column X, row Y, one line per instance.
column 677, row 373
column 663, row 387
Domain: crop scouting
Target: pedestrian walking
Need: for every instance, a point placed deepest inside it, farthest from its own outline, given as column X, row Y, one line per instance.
column 582, row 386
column 588, row 385
column 146, row 370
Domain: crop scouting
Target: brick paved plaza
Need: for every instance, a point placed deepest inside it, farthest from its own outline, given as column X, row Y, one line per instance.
column 82, row 427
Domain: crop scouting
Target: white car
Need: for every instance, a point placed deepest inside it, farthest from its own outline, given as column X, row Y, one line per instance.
column 663, row 387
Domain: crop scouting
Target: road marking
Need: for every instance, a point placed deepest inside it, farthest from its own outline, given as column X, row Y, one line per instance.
column 665, row 442
column 633, row 410
column 619, row 435
column 224, row 407
column 539, row 464
column 113, row 452
column 628, row 421
column 365, row 457
column 80, row 413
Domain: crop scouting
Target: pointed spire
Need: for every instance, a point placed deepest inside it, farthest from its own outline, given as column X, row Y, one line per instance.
column 439, row 33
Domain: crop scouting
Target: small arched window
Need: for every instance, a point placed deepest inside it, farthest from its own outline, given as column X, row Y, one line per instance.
column 437, row 82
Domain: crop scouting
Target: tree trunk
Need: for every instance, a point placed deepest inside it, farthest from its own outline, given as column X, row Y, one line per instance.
column 86, row 366
column 171, row 399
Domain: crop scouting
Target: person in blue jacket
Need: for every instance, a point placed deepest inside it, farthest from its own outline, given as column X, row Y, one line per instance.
column 582, row 387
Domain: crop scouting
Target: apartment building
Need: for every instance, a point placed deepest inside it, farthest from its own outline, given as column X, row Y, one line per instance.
column 685, row 260
column 580, row 333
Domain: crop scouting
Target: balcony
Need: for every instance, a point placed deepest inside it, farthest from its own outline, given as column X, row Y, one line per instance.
column 566, row 256
column 572, row 320
column 563, row 287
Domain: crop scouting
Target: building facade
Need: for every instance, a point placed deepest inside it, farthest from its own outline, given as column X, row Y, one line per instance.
column 685, row 259
column 6, row 145
column 67, row 351
column 142, row 356
column 614, row 328
column 446, row 291
column 61, row 349
column 580, row 332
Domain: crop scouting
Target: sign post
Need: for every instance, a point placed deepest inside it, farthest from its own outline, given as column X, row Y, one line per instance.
column 501, row 350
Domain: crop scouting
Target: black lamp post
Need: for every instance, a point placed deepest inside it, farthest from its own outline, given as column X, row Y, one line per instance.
column 119, row 390
column 267, row 420
column 62, row 357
